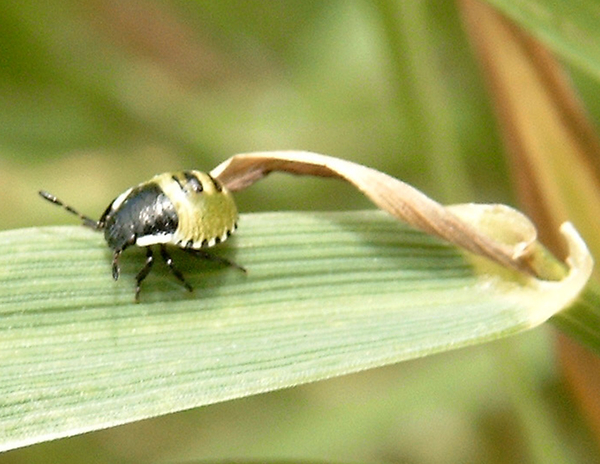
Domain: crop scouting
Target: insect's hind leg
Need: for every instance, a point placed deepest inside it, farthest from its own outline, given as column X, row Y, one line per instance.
column 218, row 259
column 144, row 271
column 176, row 272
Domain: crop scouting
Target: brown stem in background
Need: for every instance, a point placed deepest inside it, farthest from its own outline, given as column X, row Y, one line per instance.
column 553, row 152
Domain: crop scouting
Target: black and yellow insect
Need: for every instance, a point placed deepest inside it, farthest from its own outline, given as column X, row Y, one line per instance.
column 189, row 209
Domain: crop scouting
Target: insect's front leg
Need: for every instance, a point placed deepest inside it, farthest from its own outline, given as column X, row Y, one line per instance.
column 116, row 270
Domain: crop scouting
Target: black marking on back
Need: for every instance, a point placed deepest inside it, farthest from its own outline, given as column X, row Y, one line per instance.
column 193, row 182
column 216, row 183
column 176, row 179
column 145, row 211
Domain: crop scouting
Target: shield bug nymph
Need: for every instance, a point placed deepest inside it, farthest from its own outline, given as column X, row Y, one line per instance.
column 189, row 209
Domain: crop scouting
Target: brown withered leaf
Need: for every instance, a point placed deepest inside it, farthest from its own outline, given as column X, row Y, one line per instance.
column 513, row 245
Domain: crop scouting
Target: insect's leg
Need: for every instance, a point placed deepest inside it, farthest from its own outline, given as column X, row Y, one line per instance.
column 210, row 257
column 143, row 272
column 116, row 270
column 176, row 272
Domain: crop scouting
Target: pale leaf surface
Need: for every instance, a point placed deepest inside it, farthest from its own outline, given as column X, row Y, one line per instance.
column 325, row 294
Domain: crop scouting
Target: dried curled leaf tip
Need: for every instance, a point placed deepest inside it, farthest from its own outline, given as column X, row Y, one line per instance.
column 497, row 232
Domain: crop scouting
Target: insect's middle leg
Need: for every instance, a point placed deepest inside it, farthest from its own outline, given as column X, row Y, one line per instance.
column 176, row 272
column 143, row 272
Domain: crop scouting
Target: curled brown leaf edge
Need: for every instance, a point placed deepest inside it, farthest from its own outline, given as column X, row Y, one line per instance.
column 494, row 231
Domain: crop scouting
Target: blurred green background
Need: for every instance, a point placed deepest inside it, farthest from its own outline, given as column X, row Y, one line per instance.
column 99, row 95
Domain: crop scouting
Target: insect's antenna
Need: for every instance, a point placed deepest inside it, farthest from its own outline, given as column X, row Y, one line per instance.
column 87, row 221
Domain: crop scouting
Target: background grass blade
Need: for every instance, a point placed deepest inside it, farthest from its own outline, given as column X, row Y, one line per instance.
column 568, row 29
column 326, row 294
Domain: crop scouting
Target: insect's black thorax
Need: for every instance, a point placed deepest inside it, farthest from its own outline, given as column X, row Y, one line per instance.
column 145, row 211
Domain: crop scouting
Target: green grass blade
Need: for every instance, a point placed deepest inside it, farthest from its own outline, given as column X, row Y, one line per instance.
column 325, row 294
